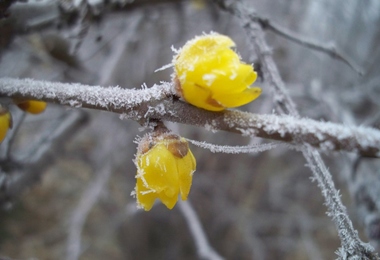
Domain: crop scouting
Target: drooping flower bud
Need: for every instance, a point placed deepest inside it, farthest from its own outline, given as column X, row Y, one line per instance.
column 165, row 167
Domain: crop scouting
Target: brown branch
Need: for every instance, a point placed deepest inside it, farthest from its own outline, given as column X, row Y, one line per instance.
column 156, row 103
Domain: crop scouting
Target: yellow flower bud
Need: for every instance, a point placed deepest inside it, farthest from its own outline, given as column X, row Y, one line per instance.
column 210, row 75
column 165, row 167
column 5, row 122
column 31, row 106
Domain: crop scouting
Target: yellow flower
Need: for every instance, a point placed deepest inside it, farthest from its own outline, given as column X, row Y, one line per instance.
column 5, row 122
column 31, row 106
column 210, row 75
column 165, row 167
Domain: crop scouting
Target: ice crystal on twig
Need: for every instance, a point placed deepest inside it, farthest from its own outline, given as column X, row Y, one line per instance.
column 255, row 148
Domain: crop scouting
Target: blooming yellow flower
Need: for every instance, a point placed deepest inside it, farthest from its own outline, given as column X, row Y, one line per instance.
column 5, row 122
column 31, row 106
column 165, row 167
column 210, row 75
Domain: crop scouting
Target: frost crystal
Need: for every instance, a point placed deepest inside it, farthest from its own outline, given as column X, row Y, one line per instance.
column 209, row 79
column 75, row 94
column 255, row 148
column 160, row 109
column 324, row 134
column 210, row 127
column 167, row 66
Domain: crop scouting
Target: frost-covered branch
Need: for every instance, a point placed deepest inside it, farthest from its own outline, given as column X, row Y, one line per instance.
column 158, row 103
column 351, row 243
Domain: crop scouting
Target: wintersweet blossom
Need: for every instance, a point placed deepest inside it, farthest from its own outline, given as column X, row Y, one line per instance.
column 5, row 122
column 31, row 106
column 165, row 167
column 210, row 75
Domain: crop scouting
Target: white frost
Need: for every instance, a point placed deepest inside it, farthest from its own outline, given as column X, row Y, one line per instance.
column 255, row 148
column 167, row 66
column 76, row 94
column 209, row 79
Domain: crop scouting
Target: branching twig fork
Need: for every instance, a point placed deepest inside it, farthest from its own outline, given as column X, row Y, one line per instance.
column 352, row 246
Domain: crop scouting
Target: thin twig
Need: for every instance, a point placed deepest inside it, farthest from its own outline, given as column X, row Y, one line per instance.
column 253, row 148
column 87, row 201
column 205, row 251
column 329, row 49
column 119, row 45
column 82, row 27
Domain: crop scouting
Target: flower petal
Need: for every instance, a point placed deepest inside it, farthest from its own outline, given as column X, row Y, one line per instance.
column 160, row 170
column 239, row 99
column 168, row 201
column 200, row 97
column 145, row 197
column 186, row 168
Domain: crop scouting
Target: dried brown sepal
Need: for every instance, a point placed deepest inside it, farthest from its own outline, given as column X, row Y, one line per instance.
column 23, row 105
column 177, row 87
column 178, row 148
column 173, row 142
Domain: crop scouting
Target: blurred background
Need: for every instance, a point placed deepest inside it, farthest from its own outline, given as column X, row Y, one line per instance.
column 255, row 206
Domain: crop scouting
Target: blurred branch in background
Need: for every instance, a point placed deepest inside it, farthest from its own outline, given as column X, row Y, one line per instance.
column 205, row 251
column 86, row 203
column 330, row 48
column 30, row 167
